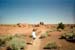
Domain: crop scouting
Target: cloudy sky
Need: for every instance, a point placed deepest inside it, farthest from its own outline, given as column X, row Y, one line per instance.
column 34, row 11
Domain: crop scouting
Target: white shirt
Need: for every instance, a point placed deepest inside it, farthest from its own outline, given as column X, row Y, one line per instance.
column 33, row 34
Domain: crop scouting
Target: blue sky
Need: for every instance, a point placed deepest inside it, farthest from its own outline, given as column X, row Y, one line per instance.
column 34, row 11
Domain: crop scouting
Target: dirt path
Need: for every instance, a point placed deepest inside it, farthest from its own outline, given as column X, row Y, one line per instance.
column 35, row 43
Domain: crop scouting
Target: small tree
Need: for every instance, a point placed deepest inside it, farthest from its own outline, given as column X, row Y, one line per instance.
column 60, row 26
column 41, row 23
column 19, row 24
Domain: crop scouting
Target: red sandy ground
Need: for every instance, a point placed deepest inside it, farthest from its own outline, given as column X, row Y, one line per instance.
column 38, row 44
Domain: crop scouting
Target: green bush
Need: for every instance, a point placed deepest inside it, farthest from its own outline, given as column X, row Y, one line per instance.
column 68, row 36
column 4, row 39
column 60, row 26
column 16, row 43
column 51, row 45
column 2, row 43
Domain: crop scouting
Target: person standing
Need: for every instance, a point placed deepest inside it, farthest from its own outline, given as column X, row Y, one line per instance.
column 34, row 34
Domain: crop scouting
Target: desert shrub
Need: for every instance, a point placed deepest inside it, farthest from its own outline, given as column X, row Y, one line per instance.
column 44, row 35
column 19, row 25
column 41, row 23
column 16, row 44
column 51, row 45
column 36, row 25
column 2, row 43
column 30, row 36
column 8, row 48
column 20, row 36
column 68, row 36
column 60, row 26
column 51, row 30
column 74, row 25
column 4, row 39
column 71, row 27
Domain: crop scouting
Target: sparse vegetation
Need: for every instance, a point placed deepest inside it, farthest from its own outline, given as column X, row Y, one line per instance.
column 15, row 42
column 68, row 36
column 60, row 26
column 4, row 39
column 44, row 35
column 71, row 26
column 30, row 36
column 19, row 25
column 37, row 25
column 51, row 45
column 20, row 37
column 41, row 23
column 52, row 30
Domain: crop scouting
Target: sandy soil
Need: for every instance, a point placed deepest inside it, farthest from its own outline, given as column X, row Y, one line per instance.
column 38, row 44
